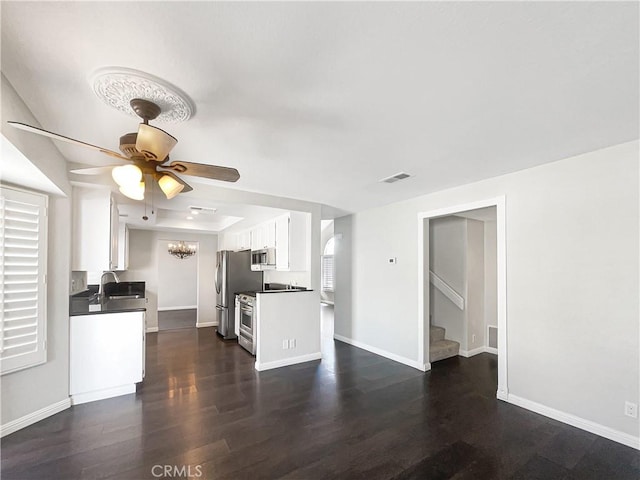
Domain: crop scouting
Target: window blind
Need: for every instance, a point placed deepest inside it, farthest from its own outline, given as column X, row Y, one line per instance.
column 327, row 273
column 23, row 244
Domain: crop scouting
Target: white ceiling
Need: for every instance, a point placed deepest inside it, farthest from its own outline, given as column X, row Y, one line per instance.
column 318, row 101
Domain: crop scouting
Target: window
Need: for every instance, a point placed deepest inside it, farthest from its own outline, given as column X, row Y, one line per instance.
column 327, row 266
column 23, row 247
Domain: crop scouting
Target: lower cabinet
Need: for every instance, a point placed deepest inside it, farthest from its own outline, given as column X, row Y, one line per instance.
column 106, row 355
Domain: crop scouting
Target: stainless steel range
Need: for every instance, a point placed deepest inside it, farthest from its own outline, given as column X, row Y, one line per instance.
column 247, row 337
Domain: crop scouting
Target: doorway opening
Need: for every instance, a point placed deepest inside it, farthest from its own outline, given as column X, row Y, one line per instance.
column 327, row 282
column 177, row 288
column 462, row 297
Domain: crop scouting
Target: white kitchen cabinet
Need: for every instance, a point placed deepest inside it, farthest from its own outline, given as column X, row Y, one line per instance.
column 244, row 240
column 293, row 236
column 106, row 355
column 123, row 246
column 263, row 235
column 95, row 230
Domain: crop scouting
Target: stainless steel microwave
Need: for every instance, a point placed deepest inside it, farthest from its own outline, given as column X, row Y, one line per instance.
column 264, row 259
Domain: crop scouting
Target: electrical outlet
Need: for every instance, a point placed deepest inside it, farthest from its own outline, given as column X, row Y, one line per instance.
column 473, row 338
column 285, row 344
column 631, row 409
column 393, row 260
column 292, row 343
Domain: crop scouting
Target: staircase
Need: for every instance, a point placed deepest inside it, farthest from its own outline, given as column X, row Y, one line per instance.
column 439, row 348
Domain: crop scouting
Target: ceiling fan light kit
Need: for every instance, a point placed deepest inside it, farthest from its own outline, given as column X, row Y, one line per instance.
column 169, row 186
column 148, row 149
column 135, row 192
column 126, row 175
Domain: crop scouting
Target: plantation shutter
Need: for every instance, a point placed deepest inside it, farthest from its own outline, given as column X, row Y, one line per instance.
column 23, row 245
column 327, row 273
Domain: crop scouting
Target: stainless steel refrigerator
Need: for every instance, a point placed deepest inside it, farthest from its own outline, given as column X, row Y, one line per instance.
column 233, row 275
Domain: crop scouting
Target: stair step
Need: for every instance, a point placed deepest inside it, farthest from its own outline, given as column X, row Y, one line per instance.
column 436, row 334
column 443, row 349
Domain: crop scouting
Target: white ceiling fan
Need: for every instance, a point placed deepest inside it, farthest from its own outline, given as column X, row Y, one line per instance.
column 147, row 153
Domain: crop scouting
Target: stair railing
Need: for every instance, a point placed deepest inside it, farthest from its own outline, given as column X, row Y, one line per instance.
column 447, row 291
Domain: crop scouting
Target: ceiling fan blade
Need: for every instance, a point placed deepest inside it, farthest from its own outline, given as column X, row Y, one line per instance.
column 214, row 172
column 186, row 188
column 56, row 136
column 93, row 170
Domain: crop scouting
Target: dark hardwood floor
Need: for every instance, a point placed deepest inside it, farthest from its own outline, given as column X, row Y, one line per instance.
column 175, row 319
column 354, row 415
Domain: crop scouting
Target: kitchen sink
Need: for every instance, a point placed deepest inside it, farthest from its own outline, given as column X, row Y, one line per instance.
column 124, row 297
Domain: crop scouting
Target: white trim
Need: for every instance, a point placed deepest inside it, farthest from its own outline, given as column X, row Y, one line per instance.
column 206, row 324
column 184, row 307
column 578, row 422
column 79, row 398
column 491, row 350
column 288, row 361
column 33, row 417
column 151, row 329
column 471, row 353
column 447, row 291
column 501, row 257
column 423, row 367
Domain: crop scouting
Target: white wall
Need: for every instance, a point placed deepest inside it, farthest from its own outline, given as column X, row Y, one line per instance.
column 490, row 277
column 572, row 239
column 474, row 305
column 33, row 389
column 143, row 266
column 177, row 278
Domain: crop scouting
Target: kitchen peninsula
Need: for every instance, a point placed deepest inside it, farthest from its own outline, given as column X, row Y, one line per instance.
column 288, row 327
column 107, row 344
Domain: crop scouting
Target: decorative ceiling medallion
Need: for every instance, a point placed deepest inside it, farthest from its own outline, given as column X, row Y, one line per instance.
column 118, row 86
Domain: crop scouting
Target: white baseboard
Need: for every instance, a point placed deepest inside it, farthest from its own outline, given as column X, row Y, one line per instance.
column 151, row 329
column 206, row 324
column 578, row 422
column 471, row 353
column 31, row 418
column 476, row 351
column 502, row 395
column 184, row 307
column 383, row 353
column 79, row 398
column 288, row 361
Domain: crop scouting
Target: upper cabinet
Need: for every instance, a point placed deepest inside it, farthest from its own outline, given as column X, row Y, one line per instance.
column 289, row 234
column 293, row 237
column 264, row 236
column 243, row 240
column 96, row 230
column 123, row 246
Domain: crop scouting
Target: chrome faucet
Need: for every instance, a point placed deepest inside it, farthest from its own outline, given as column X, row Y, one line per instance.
column 101, row 289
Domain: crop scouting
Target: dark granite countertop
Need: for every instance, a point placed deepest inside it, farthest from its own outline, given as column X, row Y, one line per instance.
column 88, row 302
column 82, row 306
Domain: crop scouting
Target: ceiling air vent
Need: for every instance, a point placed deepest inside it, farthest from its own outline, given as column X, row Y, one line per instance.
column 395, row 178
column 203, row 210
